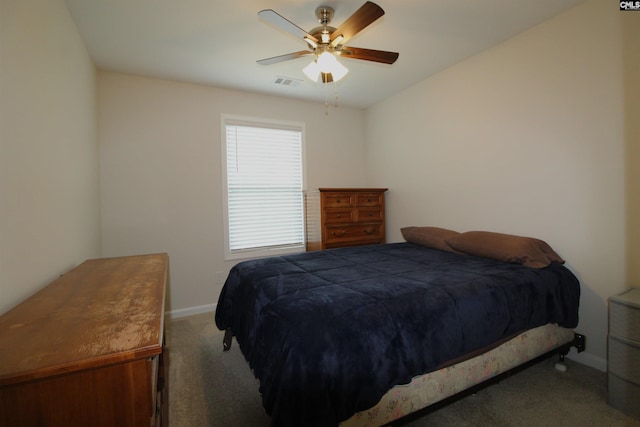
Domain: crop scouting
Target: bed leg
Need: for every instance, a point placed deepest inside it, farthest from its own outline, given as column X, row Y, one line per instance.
column 560, row 365
column 226, row 341
column 579, row 342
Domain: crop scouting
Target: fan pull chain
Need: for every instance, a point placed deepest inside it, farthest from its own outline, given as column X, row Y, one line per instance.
column 326, row 97
column 326, row 100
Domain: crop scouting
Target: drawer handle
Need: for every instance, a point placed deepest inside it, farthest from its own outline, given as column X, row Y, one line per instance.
column 338, row 216
column 339, row 233
column 365, row 231
column 369, row 200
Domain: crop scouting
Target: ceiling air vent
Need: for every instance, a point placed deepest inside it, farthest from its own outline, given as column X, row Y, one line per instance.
column 287, row 81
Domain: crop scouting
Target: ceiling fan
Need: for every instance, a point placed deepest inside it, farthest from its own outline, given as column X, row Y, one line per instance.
column 326, row 42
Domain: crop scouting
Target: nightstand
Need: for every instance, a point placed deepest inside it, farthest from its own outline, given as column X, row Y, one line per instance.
column 624, row 352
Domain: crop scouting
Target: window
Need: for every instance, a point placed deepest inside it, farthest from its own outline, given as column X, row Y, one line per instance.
column 263, row 188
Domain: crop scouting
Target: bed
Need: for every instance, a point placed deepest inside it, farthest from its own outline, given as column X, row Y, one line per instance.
column 364, row 335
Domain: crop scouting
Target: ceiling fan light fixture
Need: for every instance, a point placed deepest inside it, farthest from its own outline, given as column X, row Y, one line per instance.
column 328, row 63
column 338, row 71
column 312, row 71
column 325, row 63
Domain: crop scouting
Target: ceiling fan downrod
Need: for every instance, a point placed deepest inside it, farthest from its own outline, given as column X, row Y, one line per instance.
column 324, row 14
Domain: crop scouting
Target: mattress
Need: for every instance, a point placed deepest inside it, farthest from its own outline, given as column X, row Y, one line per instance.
column 425, row 390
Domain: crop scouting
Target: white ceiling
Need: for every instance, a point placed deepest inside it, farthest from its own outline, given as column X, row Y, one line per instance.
column 217, row 42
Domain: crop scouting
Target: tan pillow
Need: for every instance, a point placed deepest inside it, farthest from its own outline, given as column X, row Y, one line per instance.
column 505, row 247
column 432, row 237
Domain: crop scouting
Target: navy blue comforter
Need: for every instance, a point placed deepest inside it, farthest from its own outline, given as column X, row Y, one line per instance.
column 328, row 333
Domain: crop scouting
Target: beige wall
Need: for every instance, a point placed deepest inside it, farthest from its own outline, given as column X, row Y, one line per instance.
column 49, row 200
column 525, row 138
column 631, row 46
column 160, row 160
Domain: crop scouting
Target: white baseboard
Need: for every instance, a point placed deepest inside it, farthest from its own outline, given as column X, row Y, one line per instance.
column 190, row 311
column 588, row 359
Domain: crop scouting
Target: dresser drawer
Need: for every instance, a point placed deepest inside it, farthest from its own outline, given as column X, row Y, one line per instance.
column 624, row 359
column 624, row 321
column 338, row 200
column 353, row 232
column 369, row 199
column 339, row 215
column 624, row 395
column 375, row 214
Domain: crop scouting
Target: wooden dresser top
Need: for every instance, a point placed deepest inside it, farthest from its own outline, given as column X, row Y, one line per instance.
column 353, row 190
column 104, row 311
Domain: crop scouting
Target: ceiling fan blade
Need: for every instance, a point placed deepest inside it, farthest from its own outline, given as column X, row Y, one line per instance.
column 281, row 58
column 369, row 54
column 283, row 23
column 360, row 19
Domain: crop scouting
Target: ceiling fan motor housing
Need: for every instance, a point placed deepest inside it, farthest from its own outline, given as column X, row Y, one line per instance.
column 324, row 14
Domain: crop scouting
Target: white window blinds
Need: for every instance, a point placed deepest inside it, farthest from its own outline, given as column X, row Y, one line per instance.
column 265, row 200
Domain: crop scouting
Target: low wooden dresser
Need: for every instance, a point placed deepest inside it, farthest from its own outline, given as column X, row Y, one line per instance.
column 624, row 352
column 87, row 350
column 350, row 217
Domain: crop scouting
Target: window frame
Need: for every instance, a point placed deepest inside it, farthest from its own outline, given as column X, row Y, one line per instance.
column 230, row 119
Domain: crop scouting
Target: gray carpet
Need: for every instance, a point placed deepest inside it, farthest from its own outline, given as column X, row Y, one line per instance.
column 210, row 388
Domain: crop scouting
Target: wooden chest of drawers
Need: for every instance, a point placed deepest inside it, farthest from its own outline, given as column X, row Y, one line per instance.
column 351, row 217
column 624, row 352
column 87, row 350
